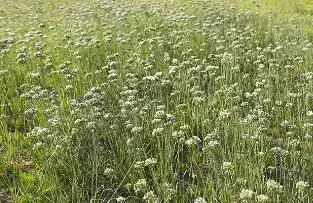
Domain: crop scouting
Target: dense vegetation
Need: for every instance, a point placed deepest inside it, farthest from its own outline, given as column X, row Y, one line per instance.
column 156, row 101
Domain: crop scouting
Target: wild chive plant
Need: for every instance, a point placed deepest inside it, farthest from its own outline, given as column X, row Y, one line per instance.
column 153, row 101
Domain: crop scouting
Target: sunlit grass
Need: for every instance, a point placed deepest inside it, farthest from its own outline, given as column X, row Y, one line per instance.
column 156, row 101
column 297, row 12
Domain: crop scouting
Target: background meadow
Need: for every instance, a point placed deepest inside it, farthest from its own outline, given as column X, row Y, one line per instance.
column 156, row 101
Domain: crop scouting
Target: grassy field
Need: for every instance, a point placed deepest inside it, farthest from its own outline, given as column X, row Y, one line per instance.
column 156, row 101
column 299, row 13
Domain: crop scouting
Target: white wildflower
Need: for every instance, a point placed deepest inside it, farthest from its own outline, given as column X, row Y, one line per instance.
column 140, row 185
column 200, row 200
column 227, row 166
column 301, row 185
column 120, row 199
column 246, row 194
column 273, row 186
column 150, row 197
column 262, row 198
